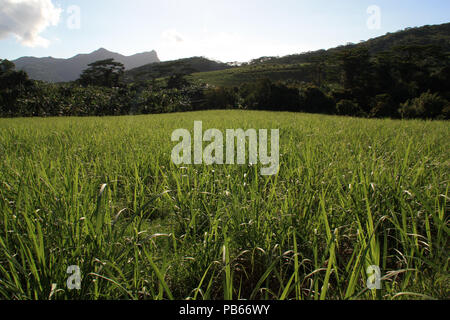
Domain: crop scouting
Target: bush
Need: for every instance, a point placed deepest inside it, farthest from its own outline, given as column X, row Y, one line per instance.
column 266, row 95
column 427, row 106
column 220, row 98
column 348, row 108
column 257, row 95
column 13, row 85
column 314, row 100
column 341, row 94
column 383, row 106
column 177, row 81
column 284, row 98
column 445, row 113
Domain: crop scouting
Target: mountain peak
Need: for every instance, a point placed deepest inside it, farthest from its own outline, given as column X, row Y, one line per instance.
column 102, row 50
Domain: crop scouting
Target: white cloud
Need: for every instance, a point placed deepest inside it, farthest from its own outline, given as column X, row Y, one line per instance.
column 27, row 19
column 172, row 36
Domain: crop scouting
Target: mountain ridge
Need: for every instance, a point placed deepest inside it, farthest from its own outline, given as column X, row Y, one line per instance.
column 185, row 66
column 300, row 67
column 52, row 69
column 438, row 34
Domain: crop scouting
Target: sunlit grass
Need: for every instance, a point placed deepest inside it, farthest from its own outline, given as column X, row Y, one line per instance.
column 102, row 193
column 246, row 74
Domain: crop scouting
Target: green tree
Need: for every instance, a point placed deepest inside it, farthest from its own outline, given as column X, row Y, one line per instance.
column 6, row 66
column 9, row 77
column 177, row 81
column 356, row 67
column 220, row 98
column 103, row 73
column 428, row 105
column 357, row 71
column 314, row 100
column 348, row 108
column 13, row 85
column 383, row 106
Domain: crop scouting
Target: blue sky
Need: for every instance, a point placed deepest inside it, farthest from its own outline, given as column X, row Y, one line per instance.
column 224, row 30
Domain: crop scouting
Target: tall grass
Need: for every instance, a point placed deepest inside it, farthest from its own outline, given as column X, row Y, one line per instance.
column 102, row 193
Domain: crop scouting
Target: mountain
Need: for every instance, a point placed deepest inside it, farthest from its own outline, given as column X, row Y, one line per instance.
column 168, row 68
column 64, row 70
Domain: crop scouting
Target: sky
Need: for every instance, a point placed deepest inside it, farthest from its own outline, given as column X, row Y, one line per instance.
column 231, row 30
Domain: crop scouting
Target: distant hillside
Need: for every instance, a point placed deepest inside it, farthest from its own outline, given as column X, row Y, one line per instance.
column 250, row 73
column 183, row 66
column 427, row 35
column 299, row 67
column 64, row 70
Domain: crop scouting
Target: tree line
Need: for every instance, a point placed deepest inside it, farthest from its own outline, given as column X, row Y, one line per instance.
column 406, row 82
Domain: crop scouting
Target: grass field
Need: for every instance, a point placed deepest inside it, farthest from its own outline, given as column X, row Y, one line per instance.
column 238, row 76
column 103, row 194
